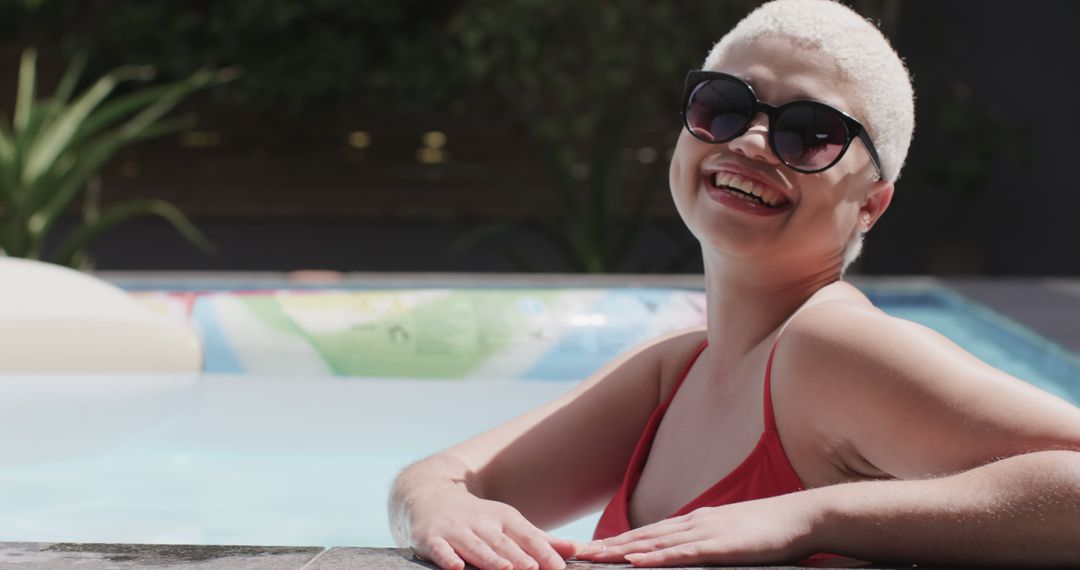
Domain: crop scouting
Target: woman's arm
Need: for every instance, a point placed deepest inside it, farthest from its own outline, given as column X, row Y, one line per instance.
column 1019, row 511
column 486, row 499
column 436, row 474
column 990, row 478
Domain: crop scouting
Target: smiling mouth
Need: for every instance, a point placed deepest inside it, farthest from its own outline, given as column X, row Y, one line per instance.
column 746, row 189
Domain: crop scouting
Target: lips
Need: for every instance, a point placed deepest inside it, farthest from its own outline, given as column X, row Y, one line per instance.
column 746, row 193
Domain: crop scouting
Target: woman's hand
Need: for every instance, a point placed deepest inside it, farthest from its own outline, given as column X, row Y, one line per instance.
column 770, row 530
column 452, row 527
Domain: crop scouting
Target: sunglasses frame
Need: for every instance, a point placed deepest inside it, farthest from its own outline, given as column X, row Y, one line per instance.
column 853, row 128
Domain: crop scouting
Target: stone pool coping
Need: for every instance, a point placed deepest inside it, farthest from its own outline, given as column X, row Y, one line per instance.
column 50, row 556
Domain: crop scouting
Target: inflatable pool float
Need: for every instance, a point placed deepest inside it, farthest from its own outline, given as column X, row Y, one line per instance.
column 54, row 319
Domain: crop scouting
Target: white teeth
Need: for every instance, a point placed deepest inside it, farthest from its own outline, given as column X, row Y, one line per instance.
column 767, row 195
column 740, row 183
column 771, row 197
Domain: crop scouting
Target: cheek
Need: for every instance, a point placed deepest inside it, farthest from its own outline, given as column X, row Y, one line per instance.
column 831, row 221
column 682, row 191
column 683, row 174
column 674, row 176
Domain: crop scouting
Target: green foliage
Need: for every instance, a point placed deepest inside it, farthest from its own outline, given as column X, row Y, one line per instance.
column 52, row 147
column 302, row 57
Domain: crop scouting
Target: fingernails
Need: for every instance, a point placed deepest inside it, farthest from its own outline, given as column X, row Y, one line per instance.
column 634, row 557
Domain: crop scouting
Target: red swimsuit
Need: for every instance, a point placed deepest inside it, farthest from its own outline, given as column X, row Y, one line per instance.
column 766, row 472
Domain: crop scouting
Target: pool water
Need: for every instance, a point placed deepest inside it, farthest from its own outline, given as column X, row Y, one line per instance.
column 250, row 460
column 307, row 459
column 988, row 335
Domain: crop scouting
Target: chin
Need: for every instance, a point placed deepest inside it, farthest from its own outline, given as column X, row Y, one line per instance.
column 734, row 244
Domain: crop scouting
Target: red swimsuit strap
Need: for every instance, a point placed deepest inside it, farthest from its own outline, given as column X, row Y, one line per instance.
column 770, row 419
column 685, row 372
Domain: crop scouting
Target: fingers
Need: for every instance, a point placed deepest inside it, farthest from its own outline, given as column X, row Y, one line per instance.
column 521, row 548
column 657, row 529
column 681, row 555
column 442, row 554
column 495, row 537
column 563, row 547
column 603, row 552
column 538, row 545
column 652, row 537
column 509, row 549
column 478, row 553
column 495, row 551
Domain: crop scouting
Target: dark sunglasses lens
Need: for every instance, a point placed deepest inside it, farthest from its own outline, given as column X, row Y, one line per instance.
column 809, row 137
column 718, row 110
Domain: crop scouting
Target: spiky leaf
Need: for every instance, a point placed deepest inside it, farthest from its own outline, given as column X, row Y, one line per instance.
column 121, row 212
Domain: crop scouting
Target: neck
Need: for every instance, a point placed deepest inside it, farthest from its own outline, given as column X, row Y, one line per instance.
column 748, row 303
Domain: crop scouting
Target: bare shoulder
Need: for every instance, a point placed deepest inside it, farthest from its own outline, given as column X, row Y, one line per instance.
column 910, row 401
column 654, row 364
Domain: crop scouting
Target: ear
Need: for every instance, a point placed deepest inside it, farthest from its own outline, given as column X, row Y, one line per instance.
column 878, row 198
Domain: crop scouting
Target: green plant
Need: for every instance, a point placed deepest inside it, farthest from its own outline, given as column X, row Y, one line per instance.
column 51, row 148
column 368, row 53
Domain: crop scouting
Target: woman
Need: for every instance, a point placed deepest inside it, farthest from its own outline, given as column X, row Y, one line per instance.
column 802, row 419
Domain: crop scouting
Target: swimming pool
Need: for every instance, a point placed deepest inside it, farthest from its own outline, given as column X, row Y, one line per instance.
column 307, row 459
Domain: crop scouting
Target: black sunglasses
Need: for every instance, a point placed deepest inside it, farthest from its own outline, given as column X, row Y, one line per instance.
column 807, row 136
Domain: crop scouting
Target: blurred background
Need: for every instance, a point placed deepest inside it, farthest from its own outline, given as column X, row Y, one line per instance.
column 496, row 136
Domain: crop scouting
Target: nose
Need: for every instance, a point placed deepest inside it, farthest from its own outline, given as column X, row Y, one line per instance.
column 754, row 143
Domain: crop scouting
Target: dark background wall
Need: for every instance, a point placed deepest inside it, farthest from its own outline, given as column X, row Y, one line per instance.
column 1013, row 65
column 988, row 188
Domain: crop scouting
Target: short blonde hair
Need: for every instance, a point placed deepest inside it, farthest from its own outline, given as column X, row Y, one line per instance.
column 883, row 96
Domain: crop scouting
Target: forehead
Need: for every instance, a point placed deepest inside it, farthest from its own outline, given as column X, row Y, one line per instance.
column 781, row 70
